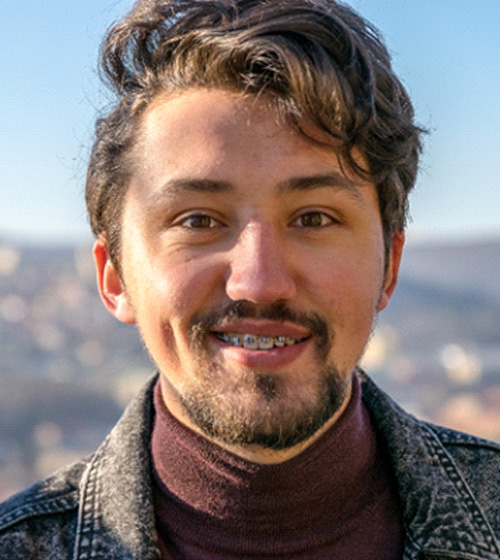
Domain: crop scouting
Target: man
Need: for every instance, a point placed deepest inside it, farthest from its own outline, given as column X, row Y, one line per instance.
column 248, row 194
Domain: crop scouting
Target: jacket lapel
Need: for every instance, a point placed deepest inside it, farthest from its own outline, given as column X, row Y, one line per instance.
column 116, row 512
column 442, row 518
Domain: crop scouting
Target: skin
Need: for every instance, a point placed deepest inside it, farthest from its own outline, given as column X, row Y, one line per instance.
column 228, row 204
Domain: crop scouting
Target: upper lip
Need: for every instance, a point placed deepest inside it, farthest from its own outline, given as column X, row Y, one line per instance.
column 263, row 327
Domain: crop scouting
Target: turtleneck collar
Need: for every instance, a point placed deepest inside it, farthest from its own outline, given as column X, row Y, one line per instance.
column 207, row 496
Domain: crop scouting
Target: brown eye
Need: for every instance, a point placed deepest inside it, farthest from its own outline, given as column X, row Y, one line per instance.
column 313, row 220
column 199, row 221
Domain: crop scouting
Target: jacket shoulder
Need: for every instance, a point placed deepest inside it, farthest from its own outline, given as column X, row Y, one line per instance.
column 57, row 493
column 470, row 452
column 478, row 460
column 427, row 459
column 41, row 516
column 450, row 437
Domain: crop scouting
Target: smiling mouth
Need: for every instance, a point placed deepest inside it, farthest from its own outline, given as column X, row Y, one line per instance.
column 252, row 342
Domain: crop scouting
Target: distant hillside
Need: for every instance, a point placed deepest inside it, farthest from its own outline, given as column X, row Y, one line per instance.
column 462, row 267
column 448, row 296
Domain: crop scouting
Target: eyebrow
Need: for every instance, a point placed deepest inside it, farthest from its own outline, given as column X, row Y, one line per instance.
column 179, row 186
column 334, row 180
column 175, row 187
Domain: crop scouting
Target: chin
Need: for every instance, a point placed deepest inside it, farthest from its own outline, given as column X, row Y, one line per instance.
column 265, row 411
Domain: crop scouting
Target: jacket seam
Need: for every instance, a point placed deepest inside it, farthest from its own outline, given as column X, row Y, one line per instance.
column 447, row 436
column 472, row 444
column 45, row 506
column 461, row 485
column 87, row 518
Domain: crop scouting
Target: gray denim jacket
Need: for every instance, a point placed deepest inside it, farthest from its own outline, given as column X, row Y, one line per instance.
column 101, row 507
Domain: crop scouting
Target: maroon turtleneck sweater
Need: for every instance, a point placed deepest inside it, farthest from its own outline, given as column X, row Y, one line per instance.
column 337, row 499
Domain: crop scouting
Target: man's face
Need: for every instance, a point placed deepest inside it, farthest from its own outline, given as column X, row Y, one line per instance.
column 252, row 265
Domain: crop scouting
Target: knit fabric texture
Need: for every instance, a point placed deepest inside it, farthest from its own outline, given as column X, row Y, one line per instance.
column 337, row 499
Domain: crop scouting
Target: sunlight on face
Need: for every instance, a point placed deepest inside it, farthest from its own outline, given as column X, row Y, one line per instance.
column 253, row 266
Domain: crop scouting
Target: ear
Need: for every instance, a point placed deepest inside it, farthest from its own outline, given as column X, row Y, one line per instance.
column 392, row 272
column 111, row 288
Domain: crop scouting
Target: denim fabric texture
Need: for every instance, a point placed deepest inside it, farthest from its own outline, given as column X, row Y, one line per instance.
column 101, row 507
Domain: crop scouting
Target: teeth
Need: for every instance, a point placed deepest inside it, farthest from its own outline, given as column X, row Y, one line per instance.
column 265, row 342
column 236, row 340
column 253, row 342
column 250, row 342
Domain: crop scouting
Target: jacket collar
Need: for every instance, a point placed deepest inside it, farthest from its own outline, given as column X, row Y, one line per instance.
column 116, row 518
column 442, row 518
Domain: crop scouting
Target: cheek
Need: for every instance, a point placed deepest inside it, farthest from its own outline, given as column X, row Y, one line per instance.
column 350, row 277
column 179, row 292
column 190, row 286
column 349, row 293
column 175, row 291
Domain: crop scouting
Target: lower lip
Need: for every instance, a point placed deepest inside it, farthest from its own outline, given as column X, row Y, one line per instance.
column 262, row 359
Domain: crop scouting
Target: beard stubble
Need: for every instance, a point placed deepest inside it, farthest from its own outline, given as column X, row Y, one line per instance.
column 257, row 407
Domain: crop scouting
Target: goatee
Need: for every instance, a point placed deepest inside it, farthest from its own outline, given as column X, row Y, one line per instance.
column 283, row 420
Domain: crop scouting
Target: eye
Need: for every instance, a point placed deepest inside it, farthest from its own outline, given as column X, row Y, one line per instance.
column 313, row 220
column 199, row 221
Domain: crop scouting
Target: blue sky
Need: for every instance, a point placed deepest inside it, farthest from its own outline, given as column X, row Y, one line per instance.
column 446, row 52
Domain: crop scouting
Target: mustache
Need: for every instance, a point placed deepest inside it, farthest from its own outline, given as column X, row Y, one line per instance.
column 205, row 321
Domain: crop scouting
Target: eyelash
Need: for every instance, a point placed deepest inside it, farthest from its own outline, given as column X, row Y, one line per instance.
column 189, row 222
column 314, row 213
column 200, row 218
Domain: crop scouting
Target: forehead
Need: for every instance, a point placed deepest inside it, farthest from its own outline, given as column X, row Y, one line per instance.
column 231, row 121
column 227, row 138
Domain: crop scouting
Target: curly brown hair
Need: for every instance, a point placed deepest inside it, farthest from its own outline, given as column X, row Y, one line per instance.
column 316, row 59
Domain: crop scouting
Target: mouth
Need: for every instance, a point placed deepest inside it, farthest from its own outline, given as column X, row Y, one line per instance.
column 253, row 342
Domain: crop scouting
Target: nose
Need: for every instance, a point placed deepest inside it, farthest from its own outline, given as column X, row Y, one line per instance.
column 260, row 267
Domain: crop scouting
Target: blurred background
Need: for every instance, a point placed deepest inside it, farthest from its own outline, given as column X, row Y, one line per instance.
column 67, row 369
